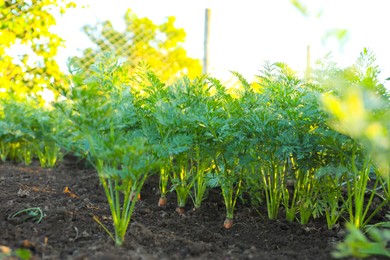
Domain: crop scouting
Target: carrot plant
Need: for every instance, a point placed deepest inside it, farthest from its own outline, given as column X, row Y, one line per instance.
column 357, row 188
column 106, row 128
column 303, row 198
column 181, row 181
column 225, row 143
column 199, row 100
column 123, row 164
column 201, row 167
column 331, row 192
column 150, row 91
column 359, row 108
column 267, row 126
column 177, row 141
column 164, row 179
column 46, row 145
column 375, row 242
column 192, row 97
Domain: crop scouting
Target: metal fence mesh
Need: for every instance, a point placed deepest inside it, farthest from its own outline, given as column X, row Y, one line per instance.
column 158, row 44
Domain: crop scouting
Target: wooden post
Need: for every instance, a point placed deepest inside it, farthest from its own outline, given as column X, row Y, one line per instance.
column 308, row 64
column 206, row 41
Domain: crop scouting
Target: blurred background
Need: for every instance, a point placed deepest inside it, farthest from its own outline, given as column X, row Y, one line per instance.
column 39, row 37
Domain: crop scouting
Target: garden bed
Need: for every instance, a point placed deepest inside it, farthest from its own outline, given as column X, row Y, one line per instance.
column 70, row 196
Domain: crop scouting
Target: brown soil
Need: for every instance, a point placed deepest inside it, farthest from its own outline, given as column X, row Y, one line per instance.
column 70, row 196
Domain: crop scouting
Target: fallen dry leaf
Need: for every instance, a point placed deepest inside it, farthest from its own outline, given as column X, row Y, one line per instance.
column 68, row 192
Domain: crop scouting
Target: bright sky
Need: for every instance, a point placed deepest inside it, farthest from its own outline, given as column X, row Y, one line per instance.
column 246, row 33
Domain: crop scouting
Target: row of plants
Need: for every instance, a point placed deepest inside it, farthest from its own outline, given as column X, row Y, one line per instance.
column 28, row 131
column 271, row 139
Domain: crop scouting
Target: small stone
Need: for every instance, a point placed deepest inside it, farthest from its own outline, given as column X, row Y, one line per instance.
column 248, row 254
column 341, row 233
column 23, row 193
column 164, row 214
column 145, row 211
